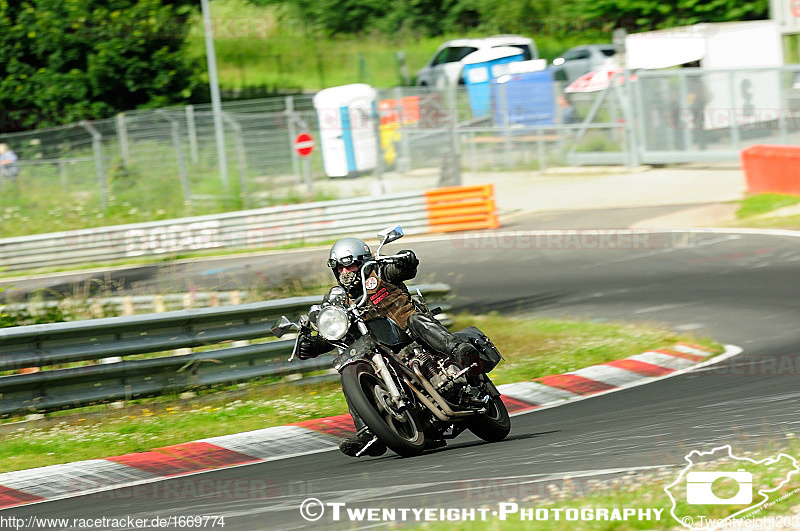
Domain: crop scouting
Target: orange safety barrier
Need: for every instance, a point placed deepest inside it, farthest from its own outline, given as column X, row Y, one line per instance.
column 458, row 208
column 409, row 107
column 772, row 169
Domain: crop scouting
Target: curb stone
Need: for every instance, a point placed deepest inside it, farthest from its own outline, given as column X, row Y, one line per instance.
column 37, row 485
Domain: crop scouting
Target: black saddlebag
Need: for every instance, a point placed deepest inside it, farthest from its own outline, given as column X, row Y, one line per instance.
column 489, row 354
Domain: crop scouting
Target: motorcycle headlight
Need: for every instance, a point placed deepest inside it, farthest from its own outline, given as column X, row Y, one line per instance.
column 332, row 323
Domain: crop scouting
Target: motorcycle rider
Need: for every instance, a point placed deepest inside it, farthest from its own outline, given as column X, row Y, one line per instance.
column 388, row 296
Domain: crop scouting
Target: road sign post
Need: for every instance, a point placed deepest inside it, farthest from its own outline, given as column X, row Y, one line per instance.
column 304, row 145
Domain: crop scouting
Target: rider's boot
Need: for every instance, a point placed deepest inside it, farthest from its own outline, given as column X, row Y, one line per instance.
column 439, row 338
column 353, row 445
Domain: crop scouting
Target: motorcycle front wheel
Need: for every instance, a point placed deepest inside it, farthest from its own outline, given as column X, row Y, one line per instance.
column 369, row 396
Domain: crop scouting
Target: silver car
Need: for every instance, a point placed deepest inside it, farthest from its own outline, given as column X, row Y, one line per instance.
column 444, row 68
column 581, row 60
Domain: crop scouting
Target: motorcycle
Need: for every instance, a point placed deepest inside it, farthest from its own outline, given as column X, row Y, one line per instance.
column 405, row 392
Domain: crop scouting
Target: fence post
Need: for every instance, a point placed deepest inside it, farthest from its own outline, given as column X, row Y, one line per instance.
column 403, row 155
column 290, row 118
column 683, row 95
column 506, row 123
column 192, row 130
column 177, row 143
column 735, row 139
column 62, row 173
column 97, row 147
column 238, row 140
column 639, row 127
column 379, row 166
column 542, row 152
column 122, row 138
column 628, row 132
column 451, row 168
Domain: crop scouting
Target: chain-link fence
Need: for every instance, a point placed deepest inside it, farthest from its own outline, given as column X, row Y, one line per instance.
column 162, row 160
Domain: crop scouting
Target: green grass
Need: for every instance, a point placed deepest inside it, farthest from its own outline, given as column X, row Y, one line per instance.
column 756, row 205
column 134, row 197
column 531, row 349
column 264, row 46
column 534, row 348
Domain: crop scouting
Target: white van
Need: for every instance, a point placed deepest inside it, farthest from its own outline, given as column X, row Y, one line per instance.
column 444, row 68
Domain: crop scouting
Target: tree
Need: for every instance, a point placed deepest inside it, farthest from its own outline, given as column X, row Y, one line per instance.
column 637, row 15
column 66, row 60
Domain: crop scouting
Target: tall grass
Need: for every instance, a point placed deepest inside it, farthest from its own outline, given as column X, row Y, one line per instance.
column 269, row 46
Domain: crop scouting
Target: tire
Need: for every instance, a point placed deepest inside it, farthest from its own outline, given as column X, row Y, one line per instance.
column 364, row 391
column 494, row 425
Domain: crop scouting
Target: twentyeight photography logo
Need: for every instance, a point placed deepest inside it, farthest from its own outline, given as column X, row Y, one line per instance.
column 718, row 487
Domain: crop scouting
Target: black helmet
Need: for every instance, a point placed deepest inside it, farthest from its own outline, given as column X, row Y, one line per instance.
column 346, row 252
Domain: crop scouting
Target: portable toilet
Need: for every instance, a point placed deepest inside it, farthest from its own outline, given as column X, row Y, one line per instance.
column 479, row 69
column 346, row 116
column 524, row 99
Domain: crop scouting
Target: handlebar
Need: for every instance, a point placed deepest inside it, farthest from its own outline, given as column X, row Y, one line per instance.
column 376, row 260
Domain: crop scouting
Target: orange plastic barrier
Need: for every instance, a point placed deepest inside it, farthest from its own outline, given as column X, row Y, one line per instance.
column 772, row 169
column 458, row 208
column 409, row 107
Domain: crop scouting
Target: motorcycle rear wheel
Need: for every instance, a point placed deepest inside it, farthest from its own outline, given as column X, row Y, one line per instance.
column 399, row 430
column 495, row 424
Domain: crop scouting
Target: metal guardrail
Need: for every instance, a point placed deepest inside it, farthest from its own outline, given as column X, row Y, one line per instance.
column 217, row 329
column 248, row 229
column 132, row 303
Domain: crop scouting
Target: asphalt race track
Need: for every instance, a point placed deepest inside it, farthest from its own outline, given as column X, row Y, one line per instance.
column 740, row 289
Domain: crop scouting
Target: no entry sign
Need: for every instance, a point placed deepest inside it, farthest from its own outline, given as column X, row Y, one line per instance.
column 304, row 144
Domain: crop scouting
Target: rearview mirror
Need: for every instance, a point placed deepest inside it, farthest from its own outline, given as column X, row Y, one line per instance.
column 282, row 326
column 390, row 234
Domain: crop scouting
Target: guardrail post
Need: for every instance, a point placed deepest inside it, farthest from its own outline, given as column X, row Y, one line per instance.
column 97, row 147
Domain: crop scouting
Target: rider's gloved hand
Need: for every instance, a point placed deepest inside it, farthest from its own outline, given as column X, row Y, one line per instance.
column 311, row 347
column 407, row 259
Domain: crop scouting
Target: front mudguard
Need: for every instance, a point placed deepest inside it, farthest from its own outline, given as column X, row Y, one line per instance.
column 360, row 350
column 491, row 388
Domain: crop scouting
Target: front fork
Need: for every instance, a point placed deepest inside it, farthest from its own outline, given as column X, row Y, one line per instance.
column 383, row 369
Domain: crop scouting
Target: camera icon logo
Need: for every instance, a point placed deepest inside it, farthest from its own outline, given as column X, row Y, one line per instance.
column 699, row 492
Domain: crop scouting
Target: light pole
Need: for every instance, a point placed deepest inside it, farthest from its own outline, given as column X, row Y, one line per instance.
column 216, row 106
